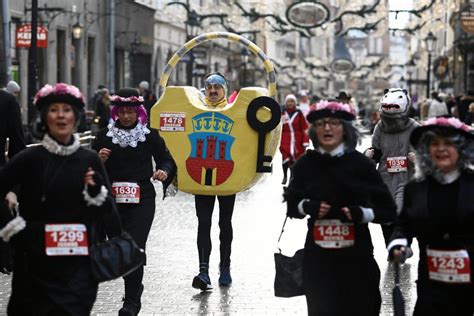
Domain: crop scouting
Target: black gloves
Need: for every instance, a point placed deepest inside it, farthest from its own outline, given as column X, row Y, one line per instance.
column 403, row 254
column 311, row 207
column 93, row 190
column 356, row 213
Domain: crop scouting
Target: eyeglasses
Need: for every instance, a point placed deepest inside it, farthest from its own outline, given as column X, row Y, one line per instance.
column 332, row 123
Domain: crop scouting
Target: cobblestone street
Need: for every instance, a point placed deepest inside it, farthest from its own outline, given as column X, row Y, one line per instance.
column 173, row 260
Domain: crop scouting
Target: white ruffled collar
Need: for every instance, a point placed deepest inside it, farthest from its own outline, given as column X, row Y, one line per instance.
column 128, row 137
column 51, row 145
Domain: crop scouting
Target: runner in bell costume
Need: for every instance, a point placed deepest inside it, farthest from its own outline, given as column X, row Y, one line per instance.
column 438, row 209
column 214, row 96
column 127, row 147
column 391, row 148
column 341, row 192
column 62, row 216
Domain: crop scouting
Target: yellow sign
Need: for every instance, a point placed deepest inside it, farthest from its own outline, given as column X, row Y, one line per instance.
column 216, row 151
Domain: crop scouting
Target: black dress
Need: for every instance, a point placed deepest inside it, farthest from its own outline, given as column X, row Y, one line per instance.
column 132, row 149
column 341, row 276
column 51, row 178
column 441, row 217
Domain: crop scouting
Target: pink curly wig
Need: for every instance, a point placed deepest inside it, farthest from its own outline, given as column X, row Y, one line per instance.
column 141, row 112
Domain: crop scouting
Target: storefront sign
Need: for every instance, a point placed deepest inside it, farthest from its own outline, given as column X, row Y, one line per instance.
column 466, row 17
column 23, row 36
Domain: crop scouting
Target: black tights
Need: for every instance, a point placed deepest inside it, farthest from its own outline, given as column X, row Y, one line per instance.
column 286, row 166
column 204, row 208
column 137, row 220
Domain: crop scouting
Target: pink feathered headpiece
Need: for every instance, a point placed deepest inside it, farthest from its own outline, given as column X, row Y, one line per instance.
column 326, row 108
column 60, row 92
column 450, row 125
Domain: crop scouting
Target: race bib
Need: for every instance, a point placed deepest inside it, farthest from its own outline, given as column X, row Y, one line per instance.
column 66, row 240
column 397, row 164
column 126, row 192
column 449, row 266
column 333, row 234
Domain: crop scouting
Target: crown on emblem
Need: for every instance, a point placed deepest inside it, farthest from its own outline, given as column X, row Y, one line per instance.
column 212, row 122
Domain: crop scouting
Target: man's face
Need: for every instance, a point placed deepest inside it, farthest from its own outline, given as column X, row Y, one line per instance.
column 214, row 92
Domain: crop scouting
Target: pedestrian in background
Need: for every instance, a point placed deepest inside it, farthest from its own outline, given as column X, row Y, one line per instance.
column 463, row 103
column 64, row 198
column 438, row 209
column 13, row 88
column 303, row 104
column 437, row 106
column 215, row 92
column 294, row 139
column 102, row 108
column 470, row 115
column 149, row 98
column 341, row 192
column 10, row 126
column 127, row 147
column 11, row 129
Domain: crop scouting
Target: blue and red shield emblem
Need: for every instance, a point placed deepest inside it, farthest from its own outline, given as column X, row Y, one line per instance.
column 209, row 162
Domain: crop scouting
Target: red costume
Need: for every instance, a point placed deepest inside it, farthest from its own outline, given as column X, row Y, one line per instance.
column 294, row 138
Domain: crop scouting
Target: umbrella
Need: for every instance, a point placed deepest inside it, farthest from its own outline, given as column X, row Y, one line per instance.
column 398, row 302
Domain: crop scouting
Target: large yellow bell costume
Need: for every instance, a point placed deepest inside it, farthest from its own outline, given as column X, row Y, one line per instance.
column 224, row 150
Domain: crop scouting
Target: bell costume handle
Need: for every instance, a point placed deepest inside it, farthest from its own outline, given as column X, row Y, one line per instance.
column 257, row 51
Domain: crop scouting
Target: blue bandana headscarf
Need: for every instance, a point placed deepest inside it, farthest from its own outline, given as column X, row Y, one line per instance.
column 216, row 79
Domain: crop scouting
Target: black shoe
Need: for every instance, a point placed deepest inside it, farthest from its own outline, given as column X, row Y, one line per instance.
column 130, row 308
column 202, row 282
column 284, row 180
column 225, row 279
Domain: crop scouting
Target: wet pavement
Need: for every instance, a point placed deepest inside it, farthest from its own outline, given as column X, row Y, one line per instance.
column 258, row 217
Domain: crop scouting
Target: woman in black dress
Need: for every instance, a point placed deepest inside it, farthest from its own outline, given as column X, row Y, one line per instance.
column 438, row 209
column 341, row 191
column 64, row 199
column 127, row 147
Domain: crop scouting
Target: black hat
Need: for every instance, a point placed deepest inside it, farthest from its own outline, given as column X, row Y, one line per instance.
column 60, row 92
column 126, row 97
column 331, row 108
column 343, row 95
column 442, row 124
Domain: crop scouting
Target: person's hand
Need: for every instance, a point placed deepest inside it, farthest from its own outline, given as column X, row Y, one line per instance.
column 369, row 153
column 89, row 177
column 160, row 175
column 398, row 254
column 412, row 157
column 353, row 213
column 324, row 208
column 104, row 154
column 11, row 200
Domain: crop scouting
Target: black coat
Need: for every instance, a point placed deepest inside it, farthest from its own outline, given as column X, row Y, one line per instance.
column 135, row 164
column 52, row 192
column 441, row 217
column 341, row 281
column 10, row 126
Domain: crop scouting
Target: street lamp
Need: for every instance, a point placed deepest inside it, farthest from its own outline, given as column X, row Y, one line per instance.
column 244, row 55
column 430, row 40
column 77, row 30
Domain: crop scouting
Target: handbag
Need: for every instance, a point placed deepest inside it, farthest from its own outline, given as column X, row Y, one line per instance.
column 115, row 257
column 288, row 272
